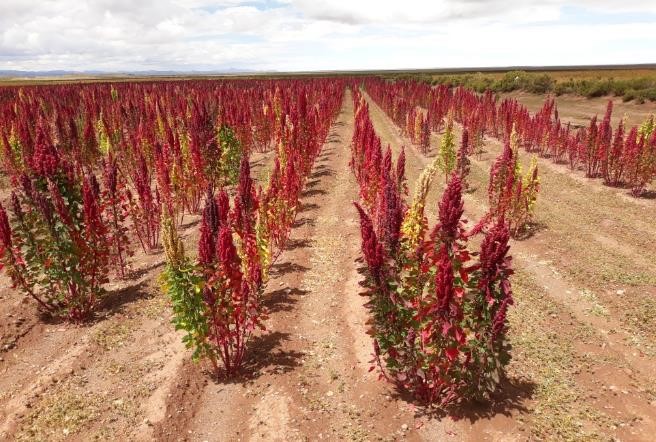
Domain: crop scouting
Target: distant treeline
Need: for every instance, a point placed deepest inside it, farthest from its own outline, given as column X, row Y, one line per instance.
column 639, row 88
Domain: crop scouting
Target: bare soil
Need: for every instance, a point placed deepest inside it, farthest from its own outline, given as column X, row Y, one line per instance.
column 579, row 110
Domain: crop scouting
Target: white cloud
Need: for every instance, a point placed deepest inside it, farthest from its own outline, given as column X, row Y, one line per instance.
column 312, row 34
column 436, row 11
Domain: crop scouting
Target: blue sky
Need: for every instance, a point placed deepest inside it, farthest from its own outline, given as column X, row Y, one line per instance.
column 296, row 35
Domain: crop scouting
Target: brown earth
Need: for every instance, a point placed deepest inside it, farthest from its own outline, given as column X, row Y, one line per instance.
column 579, row 110
column 582, row 331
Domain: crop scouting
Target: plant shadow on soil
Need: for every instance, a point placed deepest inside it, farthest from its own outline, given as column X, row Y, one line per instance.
column 324, row 171
column 284, row 268
column 327, row 151
column 312, row 192
column 646, row 195
column 112, row 303
column 293, row 244
column 508, row 400
column 318, row 168
column 510, row 397
column 135, row 274
column 308, row 207
column 303, row 222
column 283, row 300
column 529, row 230
column 116, row 300
column 190, row 222
column 261, row 356
column 311, row 184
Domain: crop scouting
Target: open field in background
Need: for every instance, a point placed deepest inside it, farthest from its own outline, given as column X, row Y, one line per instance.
column 559, row 75
column 579, row 110
column 636, row 84
column 629, row 84
column 571, row 74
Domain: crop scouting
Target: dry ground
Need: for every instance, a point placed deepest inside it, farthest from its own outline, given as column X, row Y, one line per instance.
column 578, row 110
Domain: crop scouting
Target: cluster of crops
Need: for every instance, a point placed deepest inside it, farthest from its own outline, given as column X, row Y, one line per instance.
column 622, row 156
column 93, row 170
column 217, row 300
column 438, row 306
column 511, row 192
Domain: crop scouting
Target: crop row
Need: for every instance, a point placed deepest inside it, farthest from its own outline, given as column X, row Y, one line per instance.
column 438, row 306
column 92, row 170
column 622, row 156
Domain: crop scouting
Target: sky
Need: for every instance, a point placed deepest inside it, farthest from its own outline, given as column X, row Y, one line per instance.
column 302, row 35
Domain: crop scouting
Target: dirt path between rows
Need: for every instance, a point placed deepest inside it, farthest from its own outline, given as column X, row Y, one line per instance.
column 308, row 377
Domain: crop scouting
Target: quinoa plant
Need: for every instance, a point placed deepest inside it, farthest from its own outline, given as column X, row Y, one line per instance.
column 447, row 151
column 56, row 248
column 438, row 308
column 512, row 194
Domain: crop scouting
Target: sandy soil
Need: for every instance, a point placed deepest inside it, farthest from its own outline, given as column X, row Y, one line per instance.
column 579, row 110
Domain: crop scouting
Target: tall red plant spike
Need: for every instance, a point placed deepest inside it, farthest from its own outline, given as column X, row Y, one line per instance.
column 5, row 233
column 209, row 229
column 92, row 212
column 451, row 208
column 495, row 263
column 371, row 248
column 615, row 163
column 45, row 159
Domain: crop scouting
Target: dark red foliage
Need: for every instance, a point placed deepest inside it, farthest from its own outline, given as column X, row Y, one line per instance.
column 371, row 248
column 451, row 208
column 494, row 260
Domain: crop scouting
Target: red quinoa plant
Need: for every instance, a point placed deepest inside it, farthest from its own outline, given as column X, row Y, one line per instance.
column 613, row 169
column 439, row 309
column 463, row 163
column 511, row 194
column 57, row 248
column 217, row 301
column 116, row 204
column 641, row 161
column 145, row 208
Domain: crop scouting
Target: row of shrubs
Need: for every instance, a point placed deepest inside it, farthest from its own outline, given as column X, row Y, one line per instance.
column 640, row 89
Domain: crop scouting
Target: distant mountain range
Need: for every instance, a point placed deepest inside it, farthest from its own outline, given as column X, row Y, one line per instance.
column 96, row 73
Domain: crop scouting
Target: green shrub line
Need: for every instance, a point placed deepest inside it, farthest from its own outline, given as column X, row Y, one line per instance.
column 640, row 89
